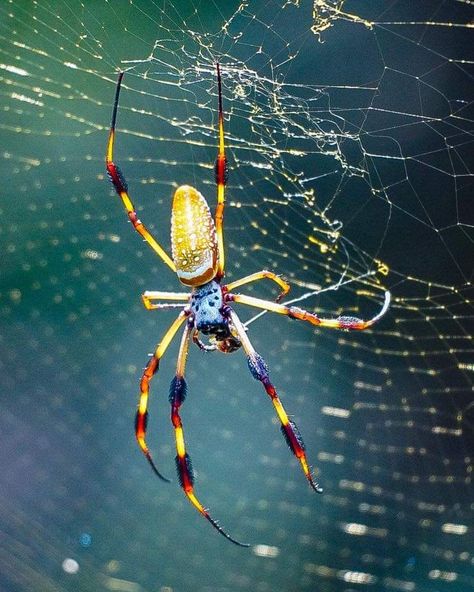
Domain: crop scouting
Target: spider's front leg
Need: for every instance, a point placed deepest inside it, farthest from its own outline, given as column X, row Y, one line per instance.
column 259, row 371
column 120, row 186
column 221, row 173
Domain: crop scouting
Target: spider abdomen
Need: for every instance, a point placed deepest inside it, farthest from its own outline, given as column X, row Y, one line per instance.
column 193, row 237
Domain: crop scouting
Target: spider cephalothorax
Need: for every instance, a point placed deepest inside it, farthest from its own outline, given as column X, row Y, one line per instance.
column 198, row 260
column 207, row 310
column 211, row 317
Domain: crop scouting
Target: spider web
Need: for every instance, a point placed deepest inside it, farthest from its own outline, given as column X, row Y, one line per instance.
column 349, row 136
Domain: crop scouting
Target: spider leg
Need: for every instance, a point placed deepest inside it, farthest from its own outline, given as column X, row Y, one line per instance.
column 150, row 295
column 120, row 185
column 183, row 461
column 342, row 322
column 141, row 418
column 259, row 371
column 221, row 172
column 260, row 275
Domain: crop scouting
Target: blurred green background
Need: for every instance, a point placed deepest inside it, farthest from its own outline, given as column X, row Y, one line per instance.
column 350, row 149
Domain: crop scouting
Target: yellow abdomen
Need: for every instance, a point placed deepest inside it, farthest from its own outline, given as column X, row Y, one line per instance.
column 193, row 237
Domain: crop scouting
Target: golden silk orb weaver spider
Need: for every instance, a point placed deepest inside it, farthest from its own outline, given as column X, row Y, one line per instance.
column 198, row 260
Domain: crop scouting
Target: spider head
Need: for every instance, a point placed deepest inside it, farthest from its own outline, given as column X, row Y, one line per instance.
column 227, row 345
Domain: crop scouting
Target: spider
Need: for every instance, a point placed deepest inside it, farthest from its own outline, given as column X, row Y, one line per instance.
column 198, row 261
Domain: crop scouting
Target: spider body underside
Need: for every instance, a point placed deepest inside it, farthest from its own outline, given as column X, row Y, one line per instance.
column 198, row 260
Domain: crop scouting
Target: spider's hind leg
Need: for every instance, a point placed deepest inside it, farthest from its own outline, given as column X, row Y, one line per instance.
column 183, row 461
column 259, row 371
column 141, row 418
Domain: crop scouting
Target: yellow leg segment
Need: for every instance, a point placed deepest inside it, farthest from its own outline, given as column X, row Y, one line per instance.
column 259, row 371
column 342, row 322
column 120, row 185
column 260, row 275
column 183, row 462
column 141, row 418
column 221, row 180
column 150, row 295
